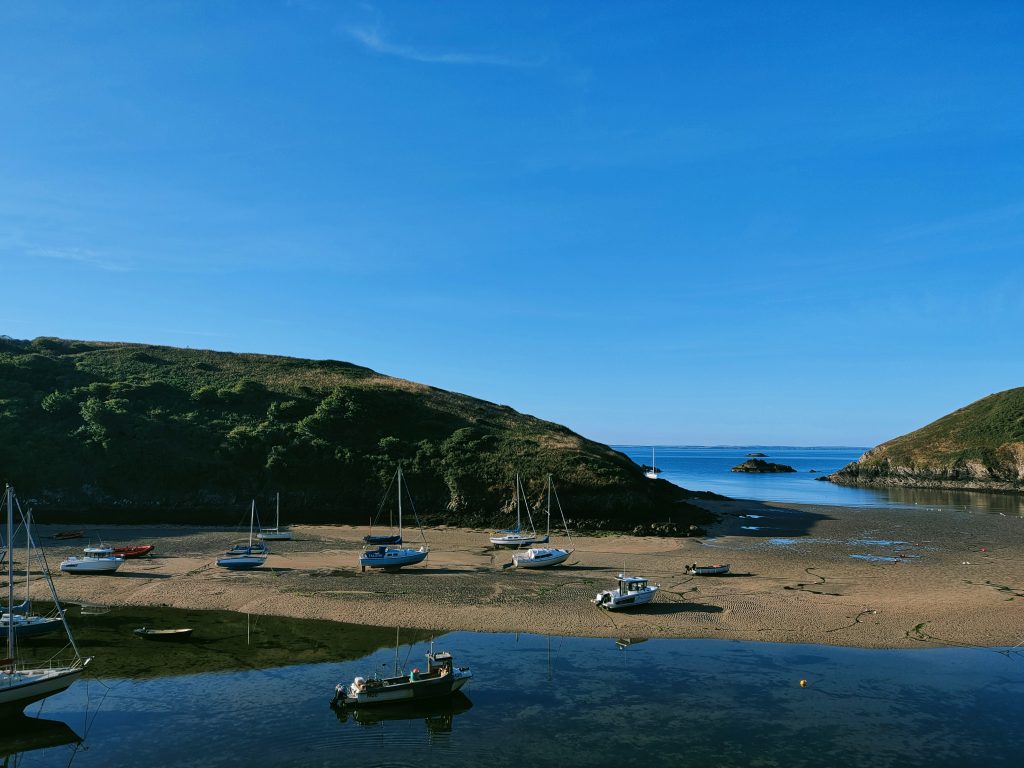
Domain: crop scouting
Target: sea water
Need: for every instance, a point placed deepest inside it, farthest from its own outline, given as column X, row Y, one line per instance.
column 709, row 469
column 244, row 692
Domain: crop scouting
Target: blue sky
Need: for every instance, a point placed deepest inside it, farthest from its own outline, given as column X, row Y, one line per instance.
column 695, row 223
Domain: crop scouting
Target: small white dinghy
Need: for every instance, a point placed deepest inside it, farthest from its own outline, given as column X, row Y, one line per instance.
column 99, row 559
column 632, row 591
column 277, row 533
column 543, row 557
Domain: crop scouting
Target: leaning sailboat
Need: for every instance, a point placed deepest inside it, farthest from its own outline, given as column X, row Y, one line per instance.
column 21, row 682
column 245, row 558
column 277, row 533
column 517, row 537
column 392, row 556
column 542, row 557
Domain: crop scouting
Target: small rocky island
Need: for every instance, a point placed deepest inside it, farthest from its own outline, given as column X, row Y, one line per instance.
column 757, row 455
column 760, row 465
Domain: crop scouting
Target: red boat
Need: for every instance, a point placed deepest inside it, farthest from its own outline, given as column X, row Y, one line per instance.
column 129, row 552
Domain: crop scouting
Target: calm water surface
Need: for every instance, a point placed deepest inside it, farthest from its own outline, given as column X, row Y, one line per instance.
column 708, row 469
column 235, row 696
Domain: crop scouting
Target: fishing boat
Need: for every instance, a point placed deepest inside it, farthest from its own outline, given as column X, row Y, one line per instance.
column 706, row 570
column 129, row 553
column 277, row 533
column 99, row 559
column 388, row 556
column 250, row 556
column 653, row 472
column 22, row 683
column 165, row 635
column 543, row 557
column 517, row 537
column 442, row 678
column 632, row 591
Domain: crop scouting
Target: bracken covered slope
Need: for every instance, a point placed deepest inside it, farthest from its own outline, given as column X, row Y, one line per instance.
column 149, row 433
column 980, row 446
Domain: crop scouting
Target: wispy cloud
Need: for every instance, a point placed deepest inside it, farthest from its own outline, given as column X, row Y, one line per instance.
column 371, row 38
column 81, row 256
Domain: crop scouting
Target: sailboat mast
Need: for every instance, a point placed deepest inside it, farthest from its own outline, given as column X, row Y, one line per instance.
column 399, row 500
column 277, row 517
column 519, row 504
column 10, row 575
column 549, row 507
column 252, row 519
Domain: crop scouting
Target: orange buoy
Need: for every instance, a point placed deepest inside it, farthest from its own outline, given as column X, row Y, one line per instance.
column 803, row 683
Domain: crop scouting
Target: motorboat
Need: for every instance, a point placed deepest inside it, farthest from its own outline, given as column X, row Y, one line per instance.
column 129, row 553
column 391, row 557
column 706, row 570
column 442, row 678
column 632, row 591
column 543, row 557
column 99, row 559
column 516, row 537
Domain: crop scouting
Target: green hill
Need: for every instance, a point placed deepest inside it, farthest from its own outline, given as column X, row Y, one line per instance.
column 980, row 446
column 132, row 432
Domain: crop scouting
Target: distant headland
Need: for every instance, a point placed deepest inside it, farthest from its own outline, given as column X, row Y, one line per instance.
column 978, row 447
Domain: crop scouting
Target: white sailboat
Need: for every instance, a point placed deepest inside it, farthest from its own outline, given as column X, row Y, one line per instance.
column 542, row 557
column 391, row 556
column 22, row 683
column 653, row 472
column 277, row 533
column 517, row 537
column 247, row 558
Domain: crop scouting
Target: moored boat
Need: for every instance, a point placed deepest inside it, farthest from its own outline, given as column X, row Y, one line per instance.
column 631, row 592
column 278, row 532
column 166, row 635
column 516, row 537
column 21, row 683
column 99, row 559
column 133, row 551
column 442, row 678
column 706, row 570
column 245, row 557
column 29, row 626
column 544, row 557
column 392, row 557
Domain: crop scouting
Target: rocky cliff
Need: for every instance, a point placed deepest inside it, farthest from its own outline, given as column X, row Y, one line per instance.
column 980, row 446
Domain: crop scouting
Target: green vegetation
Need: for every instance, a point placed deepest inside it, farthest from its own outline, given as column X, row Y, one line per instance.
column 979, row 446
column 138, row 433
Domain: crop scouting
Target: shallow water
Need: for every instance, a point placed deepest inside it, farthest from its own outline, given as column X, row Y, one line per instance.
column 533, row 701
column 708, row 469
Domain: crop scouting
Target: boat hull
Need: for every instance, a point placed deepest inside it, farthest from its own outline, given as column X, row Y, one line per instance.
column 419, row 690
column 513, row 541
column 274, row 535
column 92, row 565
column 241, row 563
column 19, row 689
column 392, row 558
column 164, row 635
column 612, row 601
column 540, row 558
column 31, row 626
column 707, row 570
column 132, row 552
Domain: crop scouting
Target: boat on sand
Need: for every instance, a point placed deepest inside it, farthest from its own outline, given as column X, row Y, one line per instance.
column 631, row 592
column 706, row 570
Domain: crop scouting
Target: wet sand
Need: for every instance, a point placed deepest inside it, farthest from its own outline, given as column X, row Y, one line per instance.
column 811, row 574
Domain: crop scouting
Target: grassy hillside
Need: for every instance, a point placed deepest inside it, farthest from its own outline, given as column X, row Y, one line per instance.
column 979, row 446
column 137, row 432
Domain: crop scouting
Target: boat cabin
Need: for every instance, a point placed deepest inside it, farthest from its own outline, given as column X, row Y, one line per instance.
column 629, row 584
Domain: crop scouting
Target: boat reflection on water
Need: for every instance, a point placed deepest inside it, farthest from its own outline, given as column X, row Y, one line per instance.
column 19, row 733
column 438, row 714
column 624, row 642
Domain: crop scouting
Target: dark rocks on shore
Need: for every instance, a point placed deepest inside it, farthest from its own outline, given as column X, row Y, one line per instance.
column 758, row 465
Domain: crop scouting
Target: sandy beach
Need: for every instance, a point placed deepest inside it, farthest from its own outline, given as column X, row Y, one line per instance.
column 871, row 578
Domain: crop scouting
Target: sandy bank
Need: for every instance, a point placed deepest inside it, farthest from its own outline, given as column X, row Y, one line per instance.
column 920, row 577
